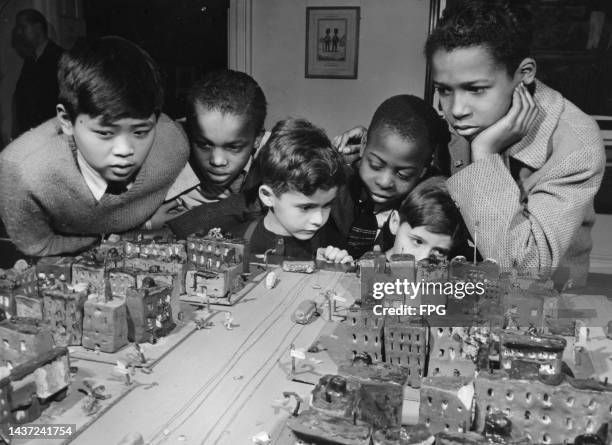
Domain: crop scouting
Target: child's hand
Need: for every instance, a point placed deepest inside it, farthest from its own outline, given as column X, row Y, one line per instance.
column 167, row 211
column 510, row 129
column 349, row 144
column 335, row 255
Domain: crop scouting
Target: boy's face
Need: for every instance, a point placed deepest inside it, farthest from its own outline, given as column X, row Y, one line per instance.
column 419, row 241
column 221, row 146
column 295, row 214
column 475, row 91
column 391, row 165
column 116, row 151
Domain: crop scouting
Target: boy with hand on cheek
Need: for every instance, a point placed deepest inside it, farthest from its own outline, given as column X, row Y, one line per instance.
column 527, row 163
column 103, row 165
column 300, row 175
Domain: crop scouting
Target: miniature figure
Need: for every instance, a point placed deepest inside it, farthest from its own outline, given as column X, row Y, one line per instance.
column 609, row 330
column 126, row 371
column 91, row 405
column 271, row 280
column 228, row 322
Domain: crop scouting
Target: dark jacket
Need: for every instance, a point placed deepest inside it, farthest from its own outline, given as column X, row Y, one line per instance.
column 37, row 89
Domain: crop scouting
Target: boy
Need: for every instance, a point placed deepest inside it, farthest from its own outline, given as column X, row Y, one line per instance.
column 225, row 121
column 300, row 174
column 427, row 221
column 402, row 138
column 104, row 165
column 526, row 162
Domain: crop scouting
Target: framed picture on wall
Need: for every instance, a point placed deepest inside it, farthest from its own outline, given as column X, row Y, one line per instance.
column 332, row 42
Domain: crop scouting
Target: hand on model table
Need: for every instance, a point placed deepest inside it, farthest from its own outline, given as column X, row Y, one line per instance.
column 335, row 255
column 510, row 129
column 351, row 143
column 167, row 211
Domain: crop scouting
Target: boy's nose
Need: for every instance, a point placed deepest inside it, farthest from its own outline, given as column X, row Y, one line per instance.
column 217, row 158
column 317, row 218
column 384, row 180
column 459, row 108
column 123, row 146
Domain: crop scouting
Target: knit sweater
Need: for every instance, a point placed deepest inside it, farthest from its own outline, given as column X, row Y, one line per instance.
column 532, row 205
column 47, row 207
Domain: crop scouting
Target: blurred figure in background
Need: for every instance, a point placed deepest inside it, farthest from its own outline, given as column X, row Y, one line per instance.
column 36, row 92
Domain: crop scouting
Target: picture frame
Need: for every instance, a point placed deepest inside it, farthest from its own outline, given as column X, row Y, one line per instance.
column 332, row 42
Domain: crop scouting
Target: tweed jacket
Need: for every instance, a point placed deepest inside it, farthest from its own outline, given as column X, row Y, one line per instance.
column 532, row 205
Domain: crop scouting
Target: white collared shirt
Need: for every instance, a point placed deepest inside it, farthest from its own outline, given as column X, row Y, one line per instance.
column 96, row 183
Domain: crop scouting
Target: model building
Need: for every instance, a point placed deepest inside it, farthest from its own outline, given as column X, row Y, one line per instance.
column 38, row 371
column 407, row 345
column 529, row 356
column 63, row 310
column 105, row 325
column 549, row 411
column 149, row 311
column 8, row 284
column 215, row 267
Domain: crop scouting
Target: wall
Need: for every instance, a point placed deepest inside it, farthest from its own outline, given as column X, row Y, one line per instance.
column 391, row 37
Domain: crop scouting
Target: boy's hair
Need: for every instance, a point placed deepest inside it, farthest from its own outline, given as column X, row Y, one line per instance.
column 430, row 205
column 411, row 118
column 505, row 29
column 299, row 156
column 33, row 17
column 112, row 78
column 228, row 91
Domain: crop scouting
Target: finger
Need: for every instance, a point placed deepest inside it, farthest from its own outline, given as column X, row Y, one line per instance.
column 336, row 142
column 342, row 143
column 170, row 205
column 533, row 116
column 346, row 258
column 526, row 120
column 516, row 107
column 533, row 110
column 520, row 122
column 328, row 252
column 333, row 256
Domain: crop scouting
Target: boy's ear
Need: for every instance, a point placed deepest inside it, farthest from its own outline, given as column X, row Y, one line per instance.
column 64, row 120
column 526, row 71
column 266, row 194
column 394, row 222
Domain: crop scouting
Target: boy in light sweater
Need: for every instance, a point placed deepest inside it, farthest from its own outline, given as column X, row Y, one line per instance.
column 103, row 165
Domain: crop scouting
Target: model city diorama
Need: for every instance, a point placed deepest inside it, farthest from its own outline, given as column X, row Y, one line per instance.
column 498, row 378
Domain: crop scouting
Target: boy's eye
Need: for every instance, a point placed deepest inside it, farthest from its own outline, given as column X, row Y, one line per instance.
column 405, row 175
column 375, row 164
column 476, row 90
column 442, row 91
column 417, row 241
column 204, row 145
column 104, row 133
column 142, row 133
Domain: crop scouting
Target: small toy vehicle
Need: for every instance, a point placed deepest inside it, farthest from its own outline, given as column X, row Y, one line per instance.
column 305, row 312
column 298, row 266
